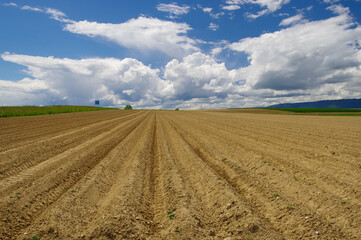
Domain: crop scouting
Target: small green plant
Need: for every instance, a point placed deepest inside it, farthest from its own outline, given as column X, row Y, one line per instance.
column 289, row 207
column 360, row 165
column 224, row 159
column 170, row 180
column 296, row 179
column 171, row 216
column 35, row 237
column 128, row 107
column 73, row 191
column 177, row 229
column 171, row 213
column 275, row 195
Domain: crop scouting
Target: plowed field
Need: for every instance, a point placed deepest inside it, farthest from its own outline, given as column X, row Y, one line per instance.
column 180, row 175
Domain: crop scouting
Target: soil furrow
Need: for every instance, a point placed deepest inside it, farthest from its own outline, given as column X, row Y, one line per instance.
column 306, row 167
column 217, row 193
column 51, row 187
column 236, row 174
column 48, row 126
column 37, row 152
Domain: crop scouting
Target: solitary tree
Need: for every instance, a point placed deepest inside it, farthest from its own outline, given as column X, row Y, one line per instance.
column 128, row 107
column 177, row 109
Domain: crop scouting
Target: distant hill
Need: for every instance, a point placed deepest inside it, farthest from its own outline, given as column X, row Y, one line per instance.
column 343, row 103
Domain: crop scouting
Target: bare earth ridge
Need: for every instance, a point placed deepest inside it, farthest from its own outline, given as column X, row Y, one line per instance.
column 180, row 175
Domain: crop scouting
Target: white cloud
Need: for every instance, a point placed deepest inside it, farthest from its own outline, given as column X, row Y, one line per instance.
column 217, row 50
column 10, row 4
column 197, row 81
column 53, row 13
column 210, row 12
column 117, row 82
column 207, row 9
column 216, row 15
column 150, row 34
column 269, row 5
column 330, row 1
column 173, row 8
column 81, row 81
column 339, row 9
column 200, row 76
column 142, row 33
column 26, row 92
column 292, row 20
column 308, row 58
column 57, row 15
column 213, row 26
column 231, row 7
column 258, row 14
column 31, row 9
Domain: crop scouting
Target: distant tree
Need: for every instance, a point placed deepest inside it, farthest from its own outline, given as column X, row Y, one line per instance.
column 128, row 107
column 177, row 109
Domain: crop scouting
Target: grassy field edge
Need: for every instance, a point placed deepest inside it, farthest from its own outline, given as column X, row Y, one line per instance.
column 44, row 110
column 317, row 110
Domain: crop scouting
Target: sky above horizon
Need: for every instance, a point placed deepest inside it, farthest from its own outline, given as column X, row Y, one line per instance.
column 179, row 54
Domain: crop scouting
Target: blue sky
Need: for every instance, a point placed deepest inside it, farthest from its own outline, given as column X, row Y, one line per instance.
column 186, row 54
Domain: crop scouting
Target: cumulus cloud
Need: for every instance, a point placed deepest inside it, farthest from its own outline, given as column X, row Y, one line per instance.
column 269, row 5
column 142, row 33
column 173, row 9
column 339, row 9
column 200, row 76
column 305, row 58
column 26, row 92
column 292, row 20
column 118, row 82
column 81, row 81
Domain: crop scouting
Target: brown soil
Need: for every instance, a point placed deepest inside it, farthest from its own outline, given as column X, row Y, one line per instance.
column 180, row 175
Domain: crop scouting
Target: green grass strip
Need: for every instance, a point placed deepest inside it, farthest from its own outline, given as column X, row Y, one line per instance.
column 316, row 110
column 34, row 110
